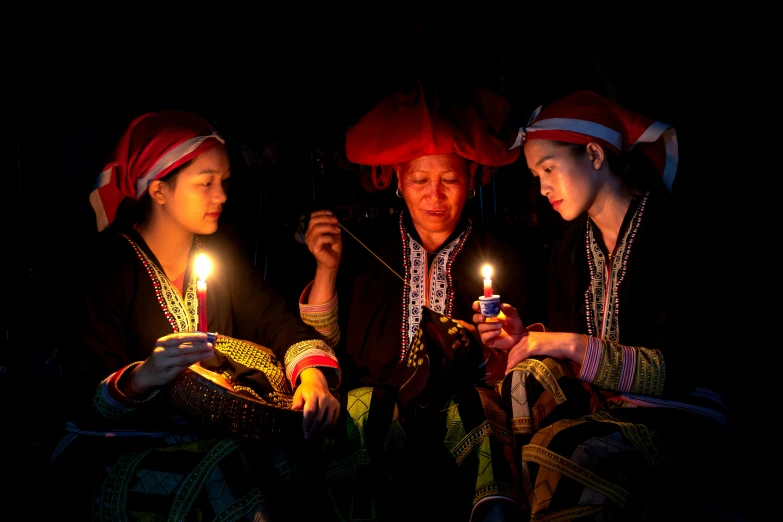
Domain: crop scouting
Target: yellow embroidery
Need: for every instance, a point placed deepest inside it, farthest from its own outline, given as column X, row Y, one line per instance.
column 184, row 312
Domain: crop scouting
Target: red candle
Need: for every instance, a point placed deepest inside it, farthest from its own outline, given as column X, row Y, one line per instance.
column 487, row 272
column 201, row 294
column 203, row 267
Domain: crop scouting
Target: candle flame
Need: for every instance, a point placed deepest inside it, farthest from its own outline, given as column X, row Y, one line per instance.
column 486, row 270
column 203, row 266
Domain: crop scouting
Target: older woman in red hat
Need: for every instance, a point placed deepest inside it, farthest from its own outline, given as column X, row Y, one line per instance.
column 405, row 290
column 128, row 450
column 613, row 416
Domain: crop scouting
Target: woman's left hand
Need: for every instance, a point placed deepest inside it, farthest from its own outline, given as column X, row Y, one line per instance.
column 558, row 345
column 321, row 408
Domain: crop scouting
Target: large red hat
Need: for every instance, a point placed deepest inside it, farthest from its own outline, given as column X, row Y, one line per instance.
column 585, row 116
column 405, row 126
column 152, row 145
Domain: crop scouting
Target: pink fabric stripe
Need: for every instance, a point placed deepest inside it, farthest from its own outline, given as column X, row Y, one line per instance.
column 593, row 355
column 628, row 369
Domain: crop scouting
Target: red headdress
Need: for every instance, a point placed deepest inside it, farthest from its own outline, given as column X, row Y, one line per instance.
column 585, row 116
column 152, row 145
column 405, row 126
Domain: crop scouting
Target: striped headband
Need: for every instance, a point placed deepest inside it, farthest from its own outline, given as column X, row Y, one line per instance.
column 153, row 145
column 584, row 116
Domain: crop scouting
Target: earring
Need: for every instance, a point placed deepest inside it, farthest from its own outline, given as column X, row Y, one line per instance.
column 399, row 194
column 472, row 194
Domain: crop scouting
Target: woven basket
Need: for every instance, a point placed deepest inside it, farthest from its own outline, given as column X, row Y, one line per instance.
column 232, row 406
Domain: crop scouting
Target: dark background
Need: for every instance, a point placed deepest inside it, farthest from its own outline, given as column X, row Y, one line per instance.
column 283, row 87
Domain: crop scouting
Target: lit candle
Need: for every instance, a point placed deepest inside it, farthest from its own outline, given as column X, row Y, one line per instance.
column 203, row 268
column 487, row 272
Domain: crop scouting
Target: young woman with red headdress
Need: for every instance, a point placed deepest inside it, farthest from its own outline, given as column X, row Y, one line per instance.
column 403, row 303
column 128, row 449
column 613, row 416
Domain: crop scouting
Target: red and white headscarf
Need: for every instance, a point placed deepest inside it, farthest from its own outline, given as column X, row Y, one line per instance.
column 153, row 145
column 407, row 125
column 585, row 116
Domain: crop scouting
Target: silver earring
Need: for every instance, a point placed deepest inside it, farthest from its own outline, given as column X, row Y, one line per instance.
column 399, row 194
column 472, row 194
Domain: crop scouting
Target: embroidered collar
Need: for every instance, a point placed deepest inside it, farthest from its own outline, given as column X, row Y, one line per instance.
column 602, row 300
column 181, row 311
column 431, row 287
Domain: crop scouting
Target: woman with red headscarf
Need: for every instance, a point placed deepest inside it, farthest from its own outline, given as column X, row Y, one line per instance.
column 128, row 448
column 613, row 416
column 414, row 377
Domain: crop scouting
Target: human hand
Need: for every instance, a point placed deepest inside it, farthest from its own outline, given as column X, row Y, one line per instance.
column 313, row 396
column 494, row 362
column 172, row 354
column 501, row 332
column 558, row 345
column 324, row 239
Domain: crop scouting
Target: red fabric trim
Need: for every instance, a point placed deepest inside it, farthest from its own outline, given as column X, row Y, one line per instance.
column 306, row 293
column 112, row 386
column 314, row 361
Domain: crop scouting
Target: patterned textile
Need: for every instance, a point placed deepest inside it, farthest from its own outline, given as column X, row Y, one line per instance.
column 428, row 286
column 430, row 428
column 442, row 359
column 144, row 481
column 458, row 455
column 447, row 435
column 404, row 343
column 583, row 456
column 629, row 434
column 321, row 317
column 122, row 458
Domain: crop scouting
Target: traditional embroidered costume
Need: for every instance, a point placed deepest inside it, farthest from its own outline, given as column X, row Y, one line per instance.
column 392, row 326
column 633, row 432
column 124, row 457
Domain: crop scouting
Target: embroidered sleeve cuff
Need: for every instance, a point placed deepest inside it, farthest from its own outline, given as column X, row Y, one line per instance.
column 110, row 402
column 322, row 317
column 592, row 357
column 617, row 367
column 312, row 354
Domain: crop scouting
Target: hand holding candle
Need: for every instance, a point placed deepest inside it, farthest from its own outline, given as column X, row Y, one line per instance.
column 489, row 302
column 203, row 268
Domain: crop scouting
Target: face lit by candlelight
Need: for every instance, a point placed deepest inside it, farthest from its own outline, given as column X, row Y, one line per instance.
column 194, row 199
column 203, row 267
column 435, row 189
column 573, row 179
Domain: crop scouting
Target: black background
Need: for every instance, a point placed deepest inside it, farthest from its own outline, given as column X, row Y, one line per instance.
column 283, row 87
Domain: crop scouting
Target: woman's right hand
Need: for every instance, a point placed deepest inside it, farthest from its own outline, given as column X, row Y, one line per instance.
column 501, row 332
column 324, row 239
column 173, row 353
